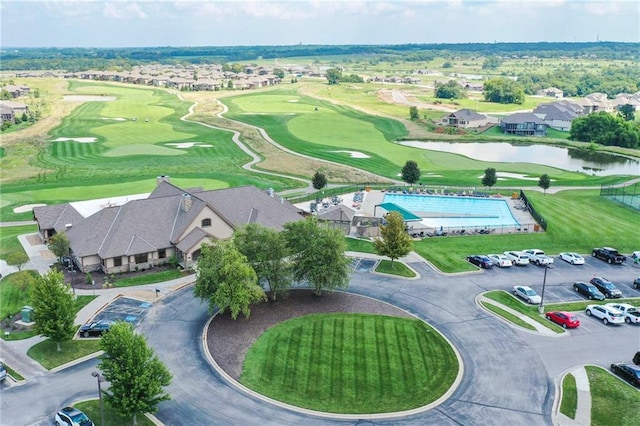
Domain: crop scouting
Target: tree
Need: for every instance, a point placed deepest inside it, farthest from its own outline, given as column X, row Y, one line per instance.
column 59, row 245
column 449, row 90
column 410, row 172
column 319, row 180
column 605, row 129
column 503, row 90
column 334, row 75
column 489, row 179
column 318, row 254
column 278, row 72
column 53, row 307
column 491, row 63
column 627, row 112
column 226, row 279
column 544, row 182
column 135, row 374
column 266, row 251
column 395, row 241
column 413, row 113
column 17, row 258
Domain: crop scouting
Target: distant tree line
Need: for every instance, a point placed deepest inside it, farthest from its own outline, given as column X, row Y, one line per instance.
column 79, row 59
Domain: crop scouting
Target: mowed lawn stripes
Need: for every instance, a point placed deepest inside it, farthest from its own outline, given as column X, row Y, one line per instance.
column 351, row 363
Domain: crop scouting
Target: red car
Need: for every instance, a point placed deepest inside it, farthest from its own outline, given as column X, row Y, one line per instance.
column 565, row 319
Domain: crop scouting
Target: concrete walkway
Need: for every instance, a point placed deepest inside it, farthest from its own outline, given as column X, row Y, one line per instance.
column 541, row 329
column 583, row 409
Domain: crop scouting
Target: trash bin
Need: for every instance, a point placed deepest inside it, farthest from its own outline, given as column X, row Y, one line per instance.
column 26, row 314
column 536, row 227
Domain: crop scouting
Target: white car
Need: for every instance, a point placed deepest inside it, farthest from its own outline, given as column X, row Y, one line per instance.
column 537, row 257
column 631, row 313
column 606, row 313
column 517, row 258
column 572, row 258
column 500, row 260
column 527, row 293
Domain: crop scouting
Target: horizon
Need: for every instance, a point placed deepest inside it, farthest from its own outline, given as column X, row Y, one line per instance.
column 101, row 24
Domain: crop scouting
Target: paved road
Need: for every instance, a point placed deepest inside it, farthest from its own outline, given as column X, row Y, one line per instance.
column 508, row 378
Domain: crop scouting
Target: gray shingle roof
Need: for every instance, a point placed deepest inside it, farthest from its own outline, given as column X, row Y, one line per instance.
column 57, row 216
column 468, row 115
column 555, row 111
column 522, row 117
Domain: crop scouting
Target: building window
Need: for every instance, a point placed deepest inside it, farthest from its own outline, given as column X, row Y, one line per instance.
column 162, row 253
column 206, row 222
column 117, row 261
column 141, row 258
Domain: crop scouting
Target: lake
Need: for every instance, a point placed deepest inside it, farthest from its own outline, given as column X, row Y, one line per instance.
column 571, row 159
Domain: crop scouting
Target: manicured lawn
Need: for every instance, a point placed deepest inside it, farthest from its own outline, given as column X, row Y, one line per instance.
column 394, row 268
column 508, row 316
column 530, row 311
column 613, row 402
column 49, row 357
column 9, row 238
column 361, row 246
column 569, row 401
column 111, row 418
column 351, row 363
column 13, row 292
column 150, row 278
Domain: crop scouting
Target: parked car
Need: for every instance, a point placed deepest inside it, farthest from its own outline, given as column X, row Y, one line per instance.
column 500, row 260
column 588, row 290
column 608, row 254
column 628, row 372
column 636, row 358
column 3, row 372
column 480, row 260
column 70, row 416
column 565, row 319
column 606, row 313
column 631, row 313
column 537, row 257
column 636, row 283
column 572, row 258
column 606, row 287
column 95, row 328
column 518, row 258
column 526, row 293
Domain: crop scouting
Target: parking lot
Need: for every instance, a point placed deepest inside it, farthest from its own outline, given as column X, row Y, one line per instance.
column 124, row 309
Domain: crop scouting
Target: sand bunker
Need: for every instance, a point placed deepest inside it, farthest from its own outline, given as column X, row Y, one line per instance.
column 81, row 140
column 355, row 154
column 26, row 208
column 88, row 98
column 185, row 145
column 292, row 100
column 114, row 118
column 506, row 175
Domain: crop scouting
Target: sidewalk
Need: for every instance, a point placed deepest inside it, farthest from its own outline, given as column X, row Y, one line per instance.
column 541, row 329
column 583, row 406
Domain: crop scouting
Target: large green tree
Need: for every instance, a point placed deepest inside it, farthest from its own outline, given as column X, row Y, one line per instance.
column 503, row 90
column 605, row 129
column 53, row 307
column 491, row 63
column 410, row 172
column 226, row 279
column 318, row 254
column 319, row 180
column 395, row 241
column 17, row 258
column 627, row 112
column 490, row 178
column 449, row 90
column 334, row 75
column 266, row 250
column 135, row 374
column 59, row 245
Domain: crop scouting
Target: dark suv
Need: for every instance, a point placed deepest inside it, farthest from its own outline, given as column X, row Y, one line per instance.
column 588, row 290
column 606, row 287
column 636, row 358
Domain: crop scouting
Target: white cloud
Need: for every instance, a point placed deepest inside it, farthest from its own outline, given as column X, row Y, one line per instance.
column 123, row 10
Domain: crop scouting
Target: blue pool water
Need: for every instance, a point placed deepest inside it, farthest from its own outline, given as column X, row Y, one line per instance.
column 454, row 211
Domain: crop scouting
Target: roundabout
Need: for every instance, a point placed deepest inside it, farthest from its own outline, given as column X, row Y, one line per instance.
column 340, row 356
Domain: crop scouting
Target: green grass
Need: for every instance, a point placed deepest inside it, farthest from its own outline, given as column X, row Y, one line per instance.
column 530, row 311
column 394, row 268
column 49, row 357
column 13, row 373
column 613, row 402
column 508, row 316
column 12, row 296
column 351, row 363
column 569, row 402
column 360, row 246
column 9, row 238
column 111, row 418
column 150, row 278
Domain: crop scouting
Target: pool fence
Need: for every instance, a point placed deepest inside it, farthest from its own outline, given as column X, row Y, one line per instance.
column 629, row 195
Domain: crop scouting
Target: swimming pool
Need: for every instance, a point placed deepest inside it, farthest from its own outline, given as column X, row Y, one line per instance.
column 455, row 211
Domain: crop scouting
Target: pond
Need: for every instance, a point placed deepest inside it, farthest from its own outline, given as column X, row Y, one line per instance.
column 571, row 159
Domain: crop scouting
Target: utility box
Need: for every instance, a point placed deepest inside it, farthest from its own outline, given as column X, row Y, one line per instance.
column 26, row 314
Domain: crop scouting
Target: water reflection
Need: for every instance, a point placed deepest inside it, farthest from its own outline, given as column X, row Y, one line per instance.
column 571, row 159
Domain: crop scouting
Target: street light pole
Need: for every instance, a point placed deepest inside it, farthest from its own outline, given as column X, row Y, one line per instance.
column 544, row 282
column 100, row 379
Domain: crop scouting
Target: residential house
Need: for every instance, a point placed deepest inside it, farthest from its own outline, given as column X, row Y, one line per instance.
column 552, row 92
column 17, row 107
column 600, row 102
column 465, row 118
column 557, row 115
column 626, row 99
column 523, row 124
column 6, row 113
column 16, row 91
column 170, row 222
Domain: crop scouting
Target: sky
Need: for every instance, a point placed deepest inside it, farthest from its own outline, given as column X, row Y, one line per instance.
column 123, row 23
